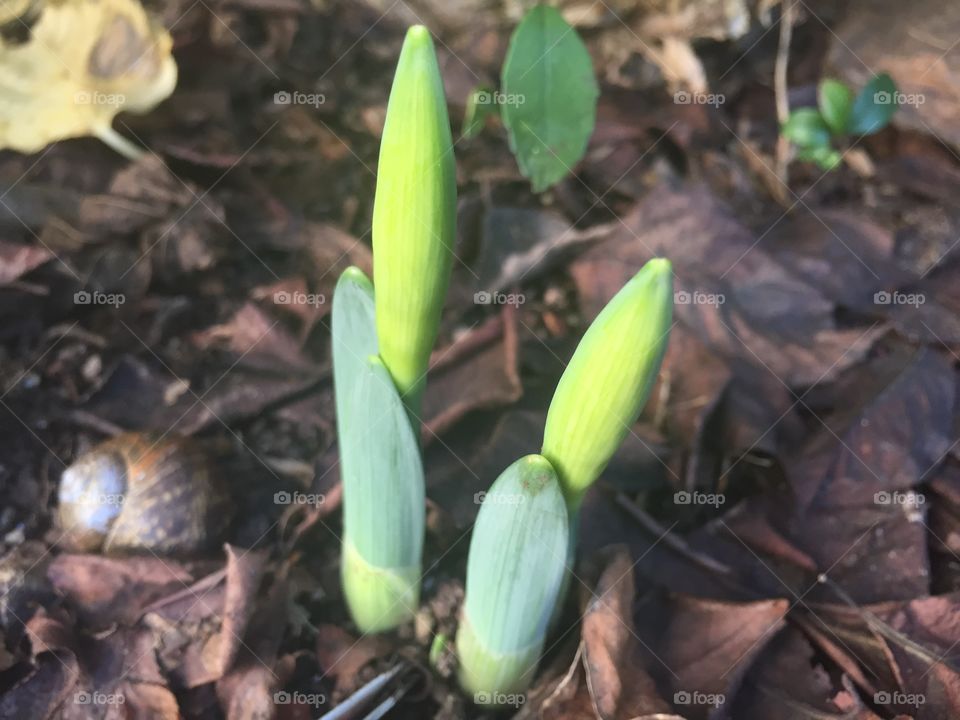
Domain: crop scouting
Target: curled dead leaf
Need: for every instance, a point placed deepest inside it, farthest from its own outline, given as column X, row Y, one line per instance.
column 85, row 61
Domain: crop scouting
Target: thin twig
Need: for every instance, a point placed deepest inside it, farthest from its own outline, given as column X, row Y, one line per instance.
column 783, row 102
column 671, row 540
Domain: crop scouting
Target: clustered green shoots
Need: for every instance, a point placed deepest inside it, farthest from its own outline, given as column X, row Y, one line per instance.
column 840, row 114
column 382, row 338
column 383, row 333
column 522, row 541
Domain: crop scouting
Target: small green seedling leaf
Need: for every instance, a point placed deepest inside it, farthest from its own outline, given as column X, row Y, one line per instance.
column 836, row 102
column 481, row 104
column 824, row 156
column 549, row 99
column 608, row 379
column 414, row 216
column 514, row 573
column 438, row 649
column 874, row 106
column 805, row 128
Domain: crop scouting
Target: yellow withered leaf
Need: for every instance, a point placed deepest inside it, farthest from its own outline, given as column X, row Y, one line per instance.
column 82, row 62
column 16, row 10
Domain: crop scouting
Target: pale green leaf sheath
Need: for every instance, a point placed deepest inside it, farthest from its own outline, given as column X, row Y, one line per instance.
column 354, row 336
column 514, row 572
column 606, row 384
column 383, row 507
column 383, row 488
column 413, row 216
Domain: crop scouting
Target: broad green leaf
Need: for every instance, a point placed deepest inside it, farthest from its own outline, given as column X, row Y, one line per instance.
column 608, row 379
column 549, row 99
column 806, row 128
column 515, row 570
column 836, row 102
column 480, row 105
column 874, row 106
column 414, row 216
column 383, row 503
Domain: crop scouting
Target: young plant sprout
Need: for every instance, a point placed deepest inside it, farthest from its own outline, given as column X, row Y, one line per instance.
column 383, row 490
column 382, row 341
column 414, row 216
column 514, row 573
column 608, row 380
column 523, row 537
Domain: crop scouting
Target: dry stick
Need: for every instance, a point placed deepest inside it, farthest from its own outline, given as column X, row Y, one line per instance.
column 673, row 541
column 86, row 419
column 885, row 630
column 783, row 103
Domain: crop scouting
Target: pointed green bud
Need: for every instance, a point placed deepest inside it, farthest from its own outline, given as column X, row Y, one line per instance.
column 414, row 216
column 383, row 486
column 514, row 572
column 606, row 384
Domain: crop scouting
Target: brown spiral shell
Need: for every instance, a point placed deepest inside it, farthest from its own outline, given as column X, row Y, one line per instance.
column 140, row 492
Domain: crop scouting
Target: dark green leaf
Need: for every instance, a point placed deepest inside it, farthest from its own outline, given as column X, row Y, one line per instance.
column 874, row 106
column 549, row 98
column 480, row 106
column 836, row 102
column 805, row 128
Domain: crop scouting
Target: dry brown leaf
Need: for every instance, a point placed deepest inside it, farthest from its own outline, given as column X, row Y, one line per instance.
column 618, row 685
column 17, row 260
column 85, row 61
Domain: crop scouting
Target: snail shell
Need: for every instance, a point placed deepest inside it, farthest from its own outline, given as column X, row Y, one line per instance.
column 139, row 492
